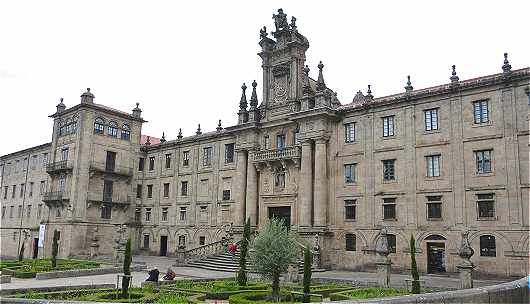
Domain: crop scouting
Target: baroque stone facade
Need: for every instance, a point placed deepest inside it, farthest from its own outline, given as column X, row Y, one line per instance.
column 430, row 163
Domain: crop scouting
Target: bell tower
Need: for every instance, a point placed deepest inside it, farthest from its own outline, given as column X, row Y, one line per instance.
column 283, row 67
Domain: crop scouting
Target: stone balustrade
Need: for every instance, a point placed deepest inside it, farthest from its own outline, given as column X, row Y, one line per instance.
column 276, row 154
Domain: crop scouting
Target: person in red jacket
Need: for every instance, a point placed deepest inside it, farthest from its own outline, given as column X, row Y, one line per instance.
column 232, row 248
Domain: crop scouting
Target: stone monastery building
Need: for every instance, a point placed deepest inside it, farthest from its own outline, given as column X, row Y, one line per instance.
column 425, row 162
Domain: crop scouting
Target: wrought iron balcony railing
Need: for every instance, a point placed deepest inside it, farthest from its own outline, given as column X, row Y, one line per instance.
column 55, row 196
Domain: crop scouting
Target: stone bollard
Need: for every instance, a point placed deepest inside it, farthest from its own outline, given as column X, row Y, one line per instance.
column 382, row 261
column 466, row 267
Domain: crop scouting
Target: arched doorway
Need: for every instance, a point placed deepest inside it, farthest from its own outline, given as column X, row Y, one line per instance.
column 435, row 253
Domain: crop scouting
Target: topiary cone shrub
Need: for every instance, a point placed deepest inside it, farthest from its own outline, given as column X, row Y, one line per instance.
column 21, row 253
column 55, row 248
column 414, row 267
column 242, row 272
column 307, row 274
column 126, row 269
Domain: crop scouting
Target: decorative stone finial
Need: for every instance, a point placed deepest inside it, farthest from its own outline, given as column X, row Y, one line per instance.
column 179, row 136
column 454, row 78
column 60, row 107
column 148, row 141
column 243, row 101
column 87, row 97
column 137, row 112
column 293, row 23
column 381, row 245
column 321, row 85
column 506, row 67
column 199, row 132
column 263, row 33
column 408, row 87
column 369, row 93
column 465, row 251
column 163, row 139
column 219, row 127
column 254, row 96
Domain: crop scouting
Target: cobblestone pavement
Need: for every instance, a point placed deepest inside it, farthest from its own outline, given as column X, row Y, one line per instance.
column 162, row 263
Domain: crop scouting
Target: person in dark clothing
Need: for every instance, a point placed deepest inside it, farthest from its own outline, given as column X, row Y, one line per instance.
column 153, row 275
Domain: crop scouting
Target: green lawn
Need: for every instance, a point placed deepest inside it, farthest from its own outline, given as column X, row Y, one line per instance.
column 29, row 267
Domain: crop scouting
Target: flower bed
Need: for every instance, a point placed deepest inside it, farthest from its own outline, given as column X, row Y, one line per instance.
column 29, row 268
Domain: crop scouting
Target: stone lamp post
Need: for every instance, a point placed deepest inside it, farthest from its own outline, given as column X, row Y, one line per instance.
column 466, row 267
column 382, row 261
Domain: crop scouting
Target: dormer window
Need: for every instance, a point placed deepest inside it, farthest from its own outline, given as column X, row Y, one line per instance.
column 113, row 129
column 125, row 132
column 99, row 126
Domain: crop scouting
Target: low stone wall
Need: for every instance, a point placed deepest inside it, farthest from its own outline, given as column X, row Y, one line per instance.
column 85, row 272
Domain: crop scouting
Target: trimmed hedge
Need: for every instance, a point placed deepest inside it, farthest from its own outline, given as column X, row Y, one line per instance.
column 367, row 293
column 29, row 268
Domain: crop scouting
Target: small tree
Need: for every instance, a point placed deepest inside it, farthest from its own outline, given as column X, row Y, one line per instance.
column 21, row 253
column 414, row 267
column 242, row 272
column 275, row 248
column 126, row 269
column 307, row 274
column 55, row 248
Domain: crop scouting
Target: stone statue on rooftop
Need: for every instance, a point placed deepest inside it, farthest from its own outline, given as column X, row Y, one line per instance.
column 280, row 20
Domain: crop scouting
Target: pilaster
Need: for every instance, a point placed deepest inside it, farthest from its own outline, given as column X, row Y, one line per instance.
column 251, row 193
column 321, row 183
column 306, row 185
column 240, row 187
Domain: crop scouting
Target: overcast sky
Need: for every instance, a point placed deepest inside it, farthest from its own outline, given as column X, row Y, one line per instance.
column 184, row 61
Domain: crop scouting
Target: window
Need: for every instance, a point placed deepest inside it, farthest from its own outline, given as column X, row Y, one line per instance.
column 388, row 169
column 110, row 161
column 3, row 211
column 486, row 205
column 73, row 127
column 42, row 187
column 11, row 208
column 126, row 132
column 108, row 186
column 184, row 188
column 146, row 241
column 483, row 161
column 64, row 154
column 226, row 195
column 164, row 214
column 138, row 191
column 58, row 212
column 22, row 187
column 5, row 191
column 391, row 243
column 279, row 180
column 141, row 163
column 17, row 166
column 229, row 153
column 280, row 141
column 25, row 164
column 149, row 191
column 434, row 207
column 14, row 191
column 349, row 173
column 296, row 137
column 182, row 241
column 185, row 158
column 389, row 209
column 207, row 156
column 99, row 126
column 31, row 189
column 168, row 161
column 39, row 211
column 433, row 165
column 388, row 126
column 182, row 214
column 166, row 190
column 480, row 111
column 137, row 214
column 19, row 213
column 349, row 132
column 487, row 246
column 34, row 161
column 351, row 241
column 431, row 119
column 266, row 142
column 106, row 211
column 350, row 209
column 60, row 184
column 202, row 240
column 44, row 160
column 151, row 163
column 147, row 214
column 113, row 129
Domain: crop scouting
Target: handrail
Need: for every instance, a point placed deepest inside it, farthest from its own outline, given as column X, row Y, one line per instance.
column 59, row 165
column 287, row 152
column 203, row 251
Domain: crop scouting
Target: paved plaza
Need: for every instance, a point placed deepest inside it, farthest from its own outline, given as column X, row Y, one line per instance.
column 162, row 263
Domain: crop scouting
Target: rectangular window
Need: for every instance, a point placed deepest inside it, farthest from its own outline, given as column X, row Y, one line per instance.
column 184, row 188
column 147, row 214
column 17, row 165
column 146, row 241
column 28, row 215
column 44, row 160
column 22, row 187
column 166, row 190
column 164, row 214
column 151, row 163
column 483, row 161
column 389, row 209
column 149, row 191
column 487, row 246
column 106, row 210
column 185, row 158
column 137, row 214
column 110, row 161
column 350, row 209
column 11, row 208
column 14, row 191
column 182, row 214
column 434, row 207
column 266, row 142
column 31, row 189
column 60, row 183
column 168, row 161
column 486, row 205
column 388, row 126
column 280, row 141
column 389, row 169
column 25, row 164
column 5, row 191
column 349, row 132
column 64, row 154
column 3, row 211
column 19, row 213
column 431, row 119
column 226, row 195
column 296, row 138
column 42, row 187
column 480, row 111
column 229, row 153
column 34, row 161
column 351, row 241
column 182, row 241
column 207, row 156
column 349, row 173
column 39, row 211
column 138, row 191
column 391, row 243
column 107, row 190
column 433, row 165
column 202, row 240
column 141, row 163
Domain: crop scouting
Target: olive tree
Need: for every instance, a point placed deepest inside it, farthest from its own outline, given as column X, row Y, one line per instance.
column 274, row 249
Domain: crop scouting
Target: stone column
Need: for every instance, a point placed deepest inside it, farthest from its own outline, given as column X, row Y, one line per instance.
column 240, row 187
column 321, row 184
column 305, row 191
column 252, row 193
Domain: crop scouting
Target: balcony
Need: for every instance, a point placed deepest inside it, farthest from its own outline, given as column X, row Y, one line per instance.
column 55, row 197
column 58, row 167
column 102, row 168
column 268, row 157
column 109, row 199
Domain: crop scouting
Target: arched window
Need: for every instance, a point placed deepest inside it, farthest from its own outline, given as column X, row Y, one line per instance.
column 487, row 246
column 73, row 128
column 99, row 126
column 125, row 132
column 113, row 129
